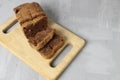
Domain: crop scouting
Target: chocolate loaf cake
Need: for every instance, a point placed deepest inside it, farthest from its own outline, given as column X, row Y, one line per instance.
column 33, row 22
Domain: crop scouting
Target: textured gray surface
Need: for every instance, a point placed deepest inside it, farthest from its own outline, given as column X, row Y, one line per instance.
column 97, row 21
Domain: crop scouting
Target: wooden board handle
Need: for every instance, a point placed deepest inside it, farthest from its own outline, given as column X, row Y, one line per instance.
column 68, row 58
column 10, row 22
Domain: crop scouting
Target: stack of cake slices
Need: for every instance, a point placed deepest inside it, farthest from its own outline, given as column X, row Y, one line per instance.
column 34, row 24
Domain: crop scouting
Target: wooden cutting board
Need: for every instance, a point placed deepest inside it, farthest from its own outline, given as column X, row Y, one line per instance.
column 17, row 43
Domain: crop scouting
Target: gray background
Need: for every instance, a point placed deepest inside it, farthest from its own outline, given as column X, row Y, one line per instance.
column 97, row 21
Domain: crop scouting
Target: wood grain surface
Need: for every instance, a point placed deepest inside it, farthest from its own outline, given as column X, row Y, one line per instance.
column 16, row 42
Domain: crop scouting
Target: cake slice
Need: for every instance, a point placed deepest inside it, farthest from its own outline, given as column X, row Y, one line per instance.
column 41, row 38
column 53, row 45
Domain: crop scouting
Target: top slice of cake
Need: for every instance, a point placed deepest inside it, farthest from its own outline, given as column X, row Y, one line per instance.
column 31, row 17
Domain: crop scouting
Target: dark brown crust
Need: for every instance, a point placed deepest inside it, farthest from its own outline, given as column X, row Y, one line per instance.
column 53, row 45
column 31, row 17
